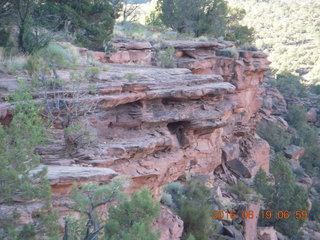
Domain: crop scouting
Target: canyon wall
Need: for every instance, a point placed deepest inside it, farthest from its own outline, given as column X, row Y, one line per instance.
column 160, row 124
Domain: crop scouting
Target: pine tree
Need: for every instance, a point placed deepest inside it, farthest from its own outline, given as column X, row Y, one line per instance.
column 18, row 181
column 132, row 219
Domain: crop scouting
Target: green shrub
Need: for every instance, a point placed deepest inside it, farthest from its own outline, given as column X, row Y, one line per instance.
column 315, row 211
column 166, row 199
column 167, row 57
column 248, row 47
column 18, row 160
column 276, row 136
column 290, row 85
column 130, row 76
column 31, row 40
column 315, row 89
column 85, row 200
column 228, row 52
column 57, row 56
column 240, row 34
column 4, row 38
column 261, row 184
column 281, row 197
column 296, row 117
column 91, row 22
column 195, row 211
column 242, row 190
column 132, row 219
column 92, row 73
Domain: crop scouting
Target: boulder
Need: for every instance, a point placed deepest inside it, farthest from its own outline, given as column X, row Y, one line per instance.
column 231, row 231
column 170, row 225
column 250, row 225
column 312, row 115
column 238, row 168
column 294, row 152
column 267, row 233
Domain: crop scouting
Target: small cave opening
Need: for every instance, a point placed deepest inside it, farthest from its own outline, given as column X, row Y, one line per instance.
column 178, row 129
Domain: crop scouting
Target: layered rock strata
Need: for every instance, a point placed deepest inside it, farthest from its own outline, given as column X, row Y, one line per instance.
column 161, row 123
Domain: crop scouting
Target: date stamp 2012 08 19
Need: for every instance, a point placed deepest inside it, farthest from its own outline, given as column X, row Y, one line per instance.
column 267, row 214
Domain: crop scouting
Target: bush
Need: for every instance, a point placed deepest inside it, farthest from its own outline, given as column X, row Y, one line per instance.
column 18, row 160
column 57, row 56
column 228, row 52
column 130, row 76
column 315, row 89
column 240, row 34
column 92, row 73
column 248, row 47
column 4, row 38
column 190, row 202
column 132, row 219
column 296, row 117
column 195, row 211
column 281, row 197
column 276, row 136
column 91, row 22
column 261, row 184
column 315, row 211
column 167, row 57
column 242, row 190
column 290, row 85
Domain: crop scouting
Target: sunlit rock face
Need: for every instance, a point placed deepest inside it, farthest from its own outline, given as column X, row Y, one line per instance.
column 159, row 124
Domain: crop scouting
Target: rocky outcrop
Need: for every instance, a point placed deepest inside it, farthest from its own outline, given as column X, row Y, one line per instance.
column 170, row 225
column 162, row 123
column 294, row 152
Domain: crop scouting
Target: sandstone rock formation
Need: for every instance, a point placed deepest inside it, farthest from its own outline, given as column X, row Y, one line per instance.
column 165, row 122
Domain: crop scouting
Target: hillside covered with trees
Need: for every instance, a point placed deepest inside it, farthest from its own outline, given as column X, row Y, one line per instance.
column 288, row 31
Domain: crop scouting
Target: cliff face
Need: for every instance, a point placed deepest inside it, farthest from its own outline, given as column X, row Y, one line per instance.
column 162, row 123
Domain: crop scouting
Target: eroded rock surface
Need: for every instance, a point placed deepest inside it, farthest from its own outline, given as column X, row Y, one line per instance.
column 161, row 123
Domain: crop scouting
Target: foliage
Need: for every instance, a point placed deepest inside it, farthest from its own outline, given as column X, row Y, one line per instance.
column 261, row 184
column 289, row 84
column 307, row 137
column 76, row 137
column 291, row 47
column 190, row 201
column 275, row 135
column 242, row 190
column 4, row 37
column 202, row 17
column 90, row 21
column 195, row 211
column 57, row 56
column 132, row 218
column 62, row 99
column 228, row 52
column 18, row 160
column 248, row 47
column 130, row 76
column 167, row 57
column 86, row 200
column 92, row 73
column 281, row 198
column 315, row 211
column 296, row 117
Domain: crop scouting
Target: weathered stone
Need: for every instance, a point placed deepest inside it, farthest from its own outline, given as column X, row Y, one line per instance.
column 170, row 225
column 250, row 225
column 133, row 45
column 267, row 233
column 239, row 168
column 233, row 232
column 185, row 44
column 312, row 115
column 294, row 152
